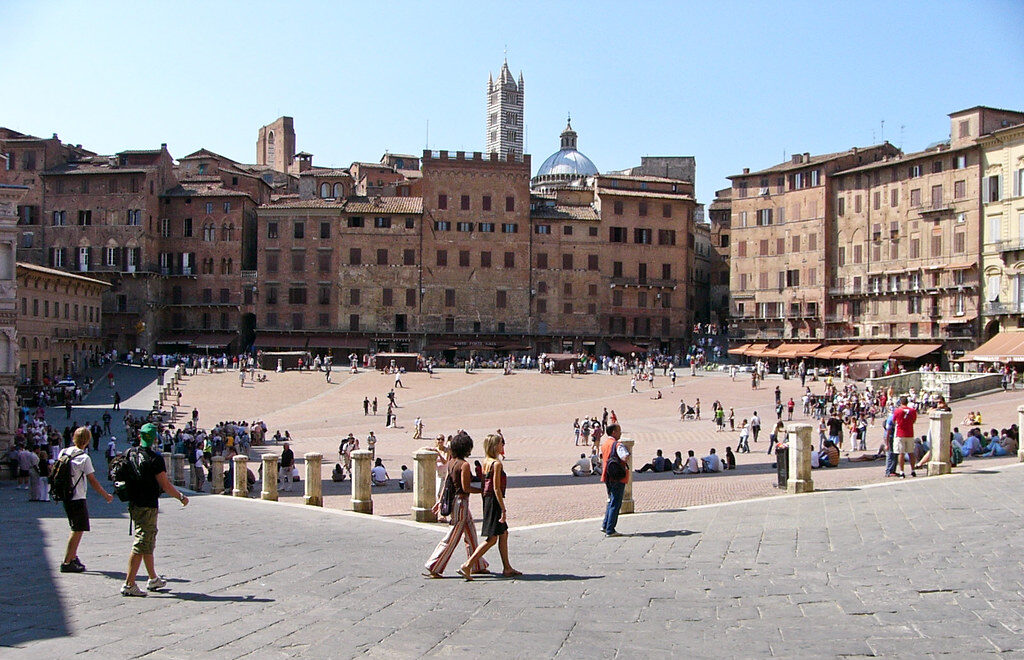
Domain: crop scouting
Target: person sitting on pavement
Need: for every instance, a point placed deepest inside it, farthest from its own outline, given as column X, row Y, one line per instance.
column 972, row 443
column 406, row 480
column 691, row 466
column 582, row 467
column 677, row 462
column 1005, row 445
column 338, row 474
column 730, row 458
column 659, row 464
column 378, row 475
column 711, row 463
column 830, row 455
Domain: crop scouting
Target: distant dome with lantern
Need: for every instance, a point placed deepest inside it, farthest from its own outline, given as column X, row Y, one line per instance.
column 565, row 167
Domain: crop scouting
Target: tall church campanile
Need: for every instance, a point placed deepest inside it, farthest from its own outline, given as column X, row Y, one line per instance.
column 505, row 113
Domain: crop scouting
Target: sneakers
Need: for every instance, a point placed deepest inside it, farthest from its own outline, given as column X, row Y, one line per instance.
column 612, row 534
column 73, row 566
column 132, row 590
column 156, row 583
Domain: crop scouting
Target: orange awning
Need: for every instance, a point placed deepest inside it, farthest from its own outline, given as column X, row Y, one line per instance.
column 861, row 353
column 833, row 352
column 914, row 351
column 755, row 350
column 1004, row 347
column 807, row 350
column 739, row 350
column 882, row 351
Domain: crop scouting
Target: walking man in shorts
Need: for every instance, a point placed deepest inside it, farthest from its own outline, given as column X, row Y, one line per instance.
column 143, row 509
column 903, row 419
column 75, row 508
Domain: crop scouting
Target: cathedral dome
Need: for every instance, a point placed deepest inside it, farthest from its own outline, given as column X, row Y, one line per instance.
column 566, row 166
column 567, row 161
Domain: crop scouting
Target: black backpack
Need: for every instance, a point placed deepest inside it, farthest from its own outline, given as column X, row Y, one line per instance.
column 126, row 473
column 61, row 487
column 448, row 494
column 614, row 469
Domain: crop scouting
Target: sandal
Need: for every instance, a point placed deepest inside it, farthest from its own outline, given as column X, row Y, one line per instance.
column 465, row 573
column 431, row 575
column 511, row 574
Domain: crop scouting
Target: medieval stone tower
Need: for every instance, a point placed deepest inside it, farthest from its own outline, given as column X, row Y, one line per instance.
column 505, row 114
column 275, row 144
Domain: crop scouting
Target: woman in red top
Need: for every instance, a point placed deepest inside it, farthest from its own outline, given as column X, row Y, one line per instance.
column 494, row 527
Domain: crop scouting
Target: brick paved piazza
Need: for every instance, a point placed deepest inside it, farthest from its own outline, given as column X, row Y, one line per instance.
column 535, row 412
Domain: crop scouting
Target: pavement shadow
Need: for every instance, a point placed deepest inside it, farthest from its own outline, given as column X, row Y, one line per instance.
column 553, row 577
column 664, row 534
column 207, row 598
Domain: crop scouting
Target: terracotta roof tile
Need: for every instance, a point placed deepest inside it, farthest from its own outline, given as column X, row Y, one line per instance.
column 564, row 212
column 660, row 194
column 368, row 205
column 62, row 273
column 196, row 189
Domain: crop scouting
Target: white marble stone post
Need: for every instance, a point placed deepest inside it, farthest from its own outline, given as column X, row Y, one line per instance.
column 362, row 498
column 269, row 477
column 217, row 474
column 939, row 422
column 314, row 480
column 178, row 460
column 628, row 506
column 424, row 485
column 241, row 472
column 800, row 447
column 1020, row 425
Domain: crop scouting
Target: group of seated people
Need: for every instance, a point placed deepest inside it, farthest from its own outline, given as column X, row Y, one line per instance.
column 972, row 418
column 586, row 467
column 378, row 475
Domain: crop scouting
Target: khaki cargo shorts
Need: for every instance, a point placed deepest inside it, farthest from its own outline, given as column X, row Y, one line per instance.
column 144, row 519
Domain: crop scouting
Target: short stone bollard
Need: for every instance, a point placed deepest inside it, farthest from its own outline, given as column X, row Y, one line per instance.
column 939, row 422
column 169, row 466
column 156, row 404
column 362, row 497
column 800, row 447
column 217, row 475
column 628, row 505
column 424, row 486
column 241, row 472
column 178, row 461
column 1020, row 425
column 269, row 477
column 314, row 480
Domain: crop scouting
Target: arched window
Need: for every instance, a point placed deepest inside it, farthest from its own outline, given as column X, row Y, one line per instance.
column 231, row 266
column 339, row 191
column 325, row 190
column 35, row 343
column 271, row 147
column 231, row 232
column 224, row 236
column 24, row 343
column 209, row 232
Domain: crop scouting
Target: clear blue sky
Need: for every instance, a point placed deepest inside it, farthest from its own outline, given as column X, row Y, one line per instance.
column 735, row 84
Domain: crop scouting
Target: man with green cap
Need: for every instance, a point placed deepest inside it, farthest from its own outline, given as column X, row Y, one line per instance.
column 142, row 506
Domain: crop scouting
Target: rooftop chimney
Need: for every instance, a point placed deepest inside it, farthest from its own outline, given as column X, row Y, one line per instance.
column 163, row 145
column 55, row 136
column 795, row 159
column 746, row 170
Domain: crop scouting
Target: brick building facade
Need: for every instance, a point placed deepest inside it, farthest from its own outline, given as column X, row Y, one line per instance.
column 780, row 243
column 58, row 323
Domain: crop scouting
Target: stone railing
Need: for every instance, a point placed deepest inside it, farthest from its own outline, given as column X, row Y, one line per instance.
column 951, row 384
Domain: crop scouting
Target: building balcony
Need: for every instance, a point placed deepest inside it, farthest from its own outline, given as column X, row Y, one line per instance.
column 998, row 308
column 648, row 282
column 935, row 208
column 81, row 332
column 1011, row 245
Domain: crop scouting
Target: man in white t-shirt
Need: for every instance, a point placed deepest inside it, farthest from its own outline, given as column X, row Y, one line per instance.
column 378, row 475
column 78, row 514
column 711, row 462
column 691, row 466
column 582, row 467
